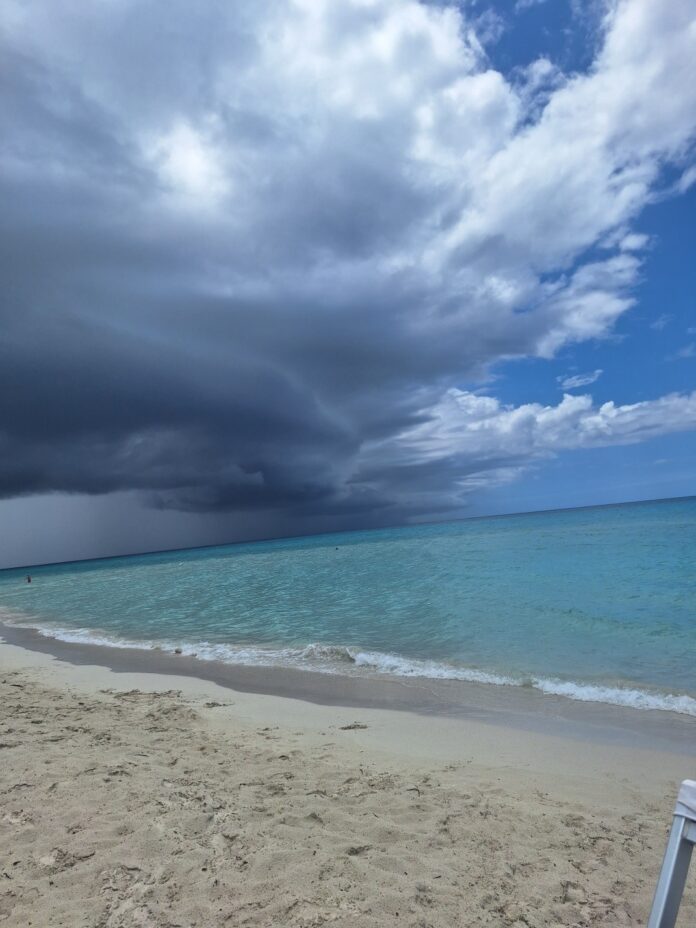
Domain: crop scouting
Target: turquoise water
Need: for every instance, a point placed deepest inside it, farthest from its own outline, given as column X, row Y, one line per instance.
column 593, row 604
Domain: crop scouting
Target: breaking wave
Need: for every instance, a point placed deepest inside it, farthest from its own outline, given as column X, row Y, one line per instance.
column 338, row 659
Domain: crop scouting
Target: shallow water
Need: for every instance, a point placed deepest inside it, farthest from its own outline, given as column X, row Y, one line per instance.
column 596, row 604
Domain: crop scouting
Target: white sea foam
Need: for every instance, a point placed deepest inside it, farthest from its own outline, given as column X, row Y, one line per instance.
column 85, row 636
column 618, row 696
column 332, row 659
column 398, row 666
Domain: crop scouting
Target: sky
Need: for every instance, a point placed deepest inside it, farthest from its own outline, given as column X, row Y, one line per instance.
column 272, row 268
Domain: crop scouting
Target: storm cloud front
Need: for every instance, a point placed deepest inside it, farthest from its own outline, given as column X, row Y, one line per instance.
column 267, row 258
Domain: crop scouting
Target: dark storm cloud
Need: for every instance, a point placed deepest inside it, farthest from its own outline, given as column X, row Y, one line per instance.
column 248, row 251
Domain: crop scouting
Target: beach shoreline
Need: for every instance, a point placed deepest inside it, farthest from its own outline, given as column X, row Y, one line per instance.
column 512, row 707
column 161, row 798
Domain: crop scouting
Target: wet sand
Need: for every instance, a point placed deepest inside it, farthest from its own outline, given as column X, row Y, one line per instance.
column 137, row 791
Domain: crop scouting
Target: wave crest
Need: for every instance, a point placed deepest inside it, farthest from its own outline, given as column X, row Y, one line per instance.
column 340, row 659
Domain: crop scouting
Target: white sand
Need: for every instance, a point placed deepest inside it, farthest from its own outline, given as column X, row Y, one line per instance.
column 147, row 800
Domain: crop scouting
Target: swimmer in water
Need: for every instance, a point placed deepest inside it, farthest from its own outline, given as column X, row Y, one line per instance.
column 28, row 578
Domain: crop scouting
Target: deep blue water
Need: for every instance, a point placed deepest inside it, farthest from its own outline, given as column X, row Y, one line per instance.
column 595, row 603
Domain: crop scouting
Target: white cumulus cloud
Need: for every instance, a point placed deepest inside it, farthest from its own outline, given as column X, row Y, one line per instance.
column 485, row 442
column 573, row 381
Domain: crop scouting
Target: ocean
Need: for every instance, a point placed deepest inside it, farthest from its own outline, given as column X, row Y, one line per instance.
column 595, row 604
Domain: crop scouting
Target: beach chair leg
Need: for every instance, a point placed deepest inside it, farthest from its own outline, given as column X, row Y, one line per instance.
column 675, row 867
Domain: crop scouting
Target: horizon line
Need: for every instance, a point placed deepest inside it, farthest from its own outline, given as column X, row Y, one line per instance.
column 229, row 544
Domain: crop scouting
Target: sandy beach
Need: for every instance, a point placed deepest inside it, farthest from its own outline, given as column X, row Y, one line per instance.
column 151, row 799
